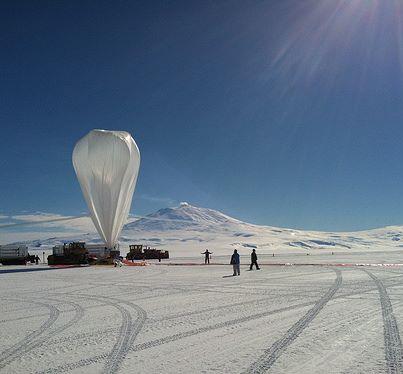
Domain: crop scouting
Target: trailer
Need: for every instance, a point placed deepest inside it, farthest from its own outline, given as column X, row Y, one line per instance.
column 97, row 250
column 13, row 254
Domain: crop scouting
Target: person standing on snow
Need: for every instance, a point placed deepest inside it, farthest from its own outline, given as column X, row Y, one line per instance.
column 253, row 260
column 235, row 262
column 206, row 254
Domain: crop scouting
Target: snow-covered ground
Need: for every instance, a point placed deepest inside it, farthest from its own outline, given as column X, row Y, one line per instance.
column 200, row 319
column 167, row 318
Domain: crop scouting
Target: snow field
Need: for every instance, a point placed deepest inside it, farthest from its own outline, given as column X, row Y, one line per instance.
column 195, row 319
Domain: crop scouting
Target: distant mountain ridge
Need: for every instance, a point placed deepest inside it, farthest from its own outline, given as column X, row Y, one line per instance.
column 188, row 228
column 183, row 217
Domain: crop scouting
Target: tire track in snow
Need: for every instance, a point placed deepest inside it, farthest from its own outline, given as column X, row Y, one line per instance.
column 40, row 339
column 127, row 333
column 211, row 309
column 118, row 354
column 270, row 356
column 158, row 320
column 27, row 343
column 157, row 342
column 191, row 313
column 393, row 343
column 118, row 350
column 79, row 312
column 175, row 337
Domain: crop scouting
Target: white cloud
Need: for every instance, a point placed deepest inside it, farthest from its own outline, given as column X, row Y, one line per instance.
column 156, row 199
column 12, row 237
column 79, row 223
column 37, row 230
column 20, row 228
column 36, row 217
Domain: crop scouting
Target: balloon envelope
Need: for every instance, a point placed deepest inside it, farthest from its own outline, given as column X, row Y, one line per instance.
column 107, row 165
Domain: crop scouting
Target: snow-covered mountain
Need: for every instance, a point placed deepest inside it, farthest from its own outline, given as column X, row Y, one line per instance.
column 184, row 217
column 189, row 226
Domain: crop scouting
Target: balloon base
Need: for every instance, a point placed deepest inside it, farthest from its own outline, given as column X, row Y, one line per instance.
column 137, row 263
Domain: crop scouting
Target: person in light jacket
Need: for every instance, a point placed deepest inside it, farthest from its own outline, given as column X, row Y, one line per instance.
column 235, row 262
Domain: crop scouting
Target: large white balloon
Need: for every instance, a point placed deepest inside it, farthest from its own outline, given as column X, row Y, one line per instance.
column 107, row 165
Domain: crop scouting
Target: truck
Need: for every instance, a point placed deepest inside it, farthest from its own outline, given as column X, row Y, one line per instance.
column 73, row 253
column 77, row 253
column 140, row 252
column 11, row 254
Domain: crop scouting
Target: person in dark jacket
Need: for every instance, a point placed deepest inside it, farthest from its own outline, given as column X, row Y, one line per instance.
column 235, row 262
column 253, row 258
column 207, row 254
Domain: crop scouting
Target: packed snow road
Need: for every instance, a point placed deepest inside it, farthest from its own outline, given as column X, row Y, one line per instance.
column 200, row 319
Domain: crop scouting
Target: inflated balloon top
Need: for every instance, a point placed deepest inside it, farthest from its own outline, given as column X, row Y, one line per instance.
column 107, row 165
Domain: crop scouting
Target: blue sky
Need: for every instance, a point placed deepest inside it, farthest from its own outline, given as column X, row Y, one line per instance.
column 279, row 112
